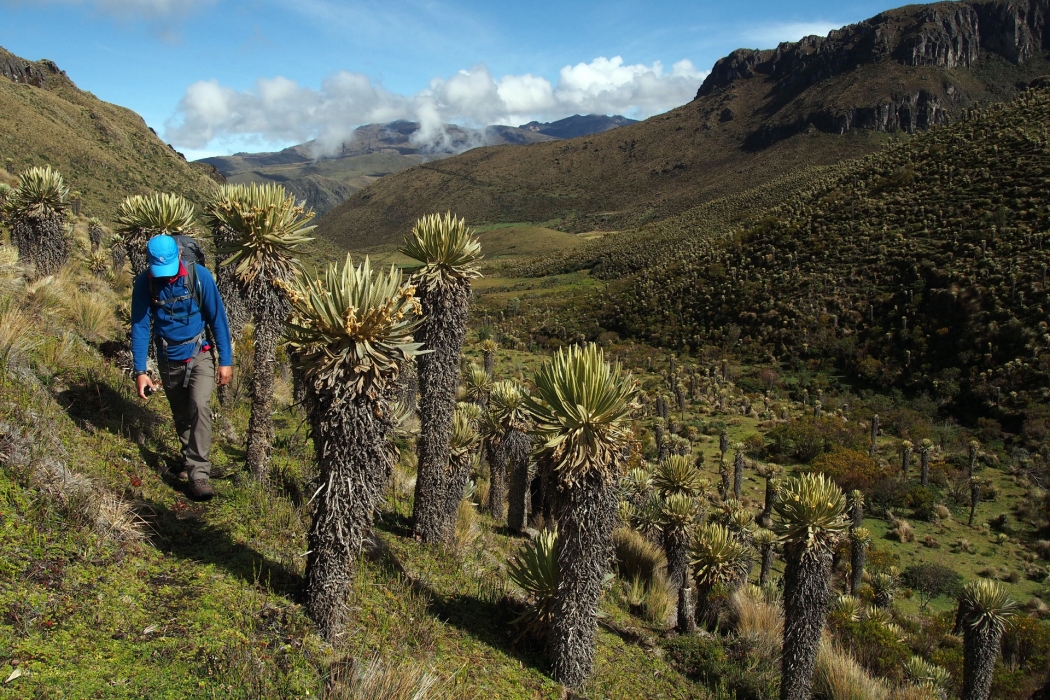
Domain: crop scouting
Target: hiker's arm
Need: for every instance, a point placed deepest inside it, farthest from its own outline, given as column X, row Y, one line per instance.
column 214, row 312
column 140, row 322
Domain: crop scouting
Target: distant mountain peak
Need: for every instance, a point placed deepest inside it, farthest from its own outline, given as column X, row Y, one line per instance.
column 578, row 125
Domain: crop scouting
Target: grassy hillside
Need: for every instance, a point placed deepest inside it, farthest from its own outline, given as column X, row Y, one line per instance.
column 760, row 116
column 104, row 151
column 923, row 267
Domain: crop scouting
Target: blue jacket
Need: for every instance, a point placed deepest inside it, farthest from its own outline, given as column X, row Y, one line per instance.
column 180, row 322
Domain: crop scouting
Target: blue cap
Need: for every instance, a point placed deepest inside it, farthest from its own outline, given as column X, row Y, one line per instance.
column 163, row 254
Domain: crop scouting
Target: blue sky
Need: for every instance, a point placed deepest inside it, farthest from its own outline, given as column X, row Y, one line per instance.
column 217, row 76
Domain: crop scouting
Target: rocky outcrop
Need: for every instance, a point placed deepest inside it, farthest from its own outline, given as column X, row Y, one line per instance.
column 946, row 36
column 36, row 73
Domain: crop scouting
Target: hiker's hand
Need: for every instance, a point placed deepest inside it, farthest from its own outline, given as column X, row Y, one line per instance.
column 141, row 382
column 225, row 375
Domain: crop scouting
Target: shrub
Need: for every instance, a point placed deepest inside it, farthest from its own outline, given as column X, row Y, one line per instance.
column 874, row 643
column 932, row 580
column 921, row 501
column 850, row 469
column 807, row 437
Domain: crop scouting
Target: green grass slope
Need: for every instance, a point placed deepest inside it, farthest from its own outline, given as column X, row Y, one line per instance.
column 104, row 151
column 760, row 116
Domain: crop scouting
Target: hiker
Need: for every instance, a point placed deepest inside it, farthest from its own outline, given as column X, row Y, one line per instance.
column 178, row 304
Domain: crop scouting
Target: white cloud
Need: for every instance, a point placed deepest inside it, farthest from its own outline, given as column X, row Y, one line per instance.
column 280, row 111
column 769, row 35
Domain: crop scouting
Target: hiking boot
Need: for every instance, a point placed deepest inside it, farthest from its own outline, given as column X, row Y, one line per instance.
column 201, row 490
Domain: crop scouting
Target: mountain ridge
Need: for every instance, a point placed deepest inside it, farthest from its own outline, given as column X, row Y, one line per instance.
column 762, row 115
column 325, row 180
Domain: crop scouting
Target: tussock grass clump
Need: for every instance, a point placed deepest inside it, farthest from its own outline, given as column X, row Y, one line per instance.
column 903, row 530
column 91, row 316
column 376, row 680
column 838, row 676
column 15, row 337
column 637, row 557
column 759, row 621
column 468, row 530
column 80, row 500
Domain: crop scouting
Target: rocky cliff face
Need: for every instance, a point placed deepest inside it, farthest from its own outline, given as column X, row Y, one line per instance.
column 36, row 73
column 945, row 36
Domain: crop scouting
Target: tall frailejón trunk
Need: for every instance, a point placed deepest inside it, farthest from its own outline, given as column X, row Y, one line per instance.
column 768, row 554
column 980, row 651
column 449, row 498
column 676, row 549
column 858, row 554
column 442, row 332
column 236, row 313
column 585, row 525
column 738, row 475
column 516, row 445
column 806, row 601
column 497, row 457
column 354, row 460
column 260, row 424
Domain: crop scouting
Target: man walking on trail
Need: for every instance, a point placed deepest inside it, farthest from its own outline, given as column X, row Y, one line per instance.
column 177, row 307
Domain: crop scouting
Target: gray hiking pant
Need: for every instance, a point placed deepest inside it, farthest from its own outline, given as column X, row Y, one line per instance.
column 191, row 410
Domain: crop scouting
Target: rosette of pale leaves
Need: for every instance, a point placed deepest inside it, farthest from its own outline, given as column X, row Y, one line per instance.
column 921, row 672
column 846, row 608
column 860, row 536
column 678, row 474
column 478, row 384
column 463, row 439
column 717, row 556
column 582, row 408
column 679, row 511
column 985, row 606
column 471, row 411
column 535, row 571
column 637, row 482
column 812, row 511
column 765, row 538
column 352, row 327
column 41, row 193
column 267, row 226
column 647, row 516
column 139, row 217
column 447, row 249
column 507, row 402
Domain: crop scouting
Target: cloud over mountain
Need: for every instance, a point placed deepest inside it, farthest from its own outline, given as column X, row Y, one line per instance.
column 280, row 110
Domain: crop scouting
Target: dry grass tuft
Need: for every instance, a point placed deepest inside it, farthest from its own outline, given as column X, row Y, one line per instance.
column 92, row 317
column 838, row 676
column 903, row 531
column 376, row 680
column 86, row 504
column 15, row 338
column 637, row 557
column 660, row 601
column 759, row 621
column 468, row 530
